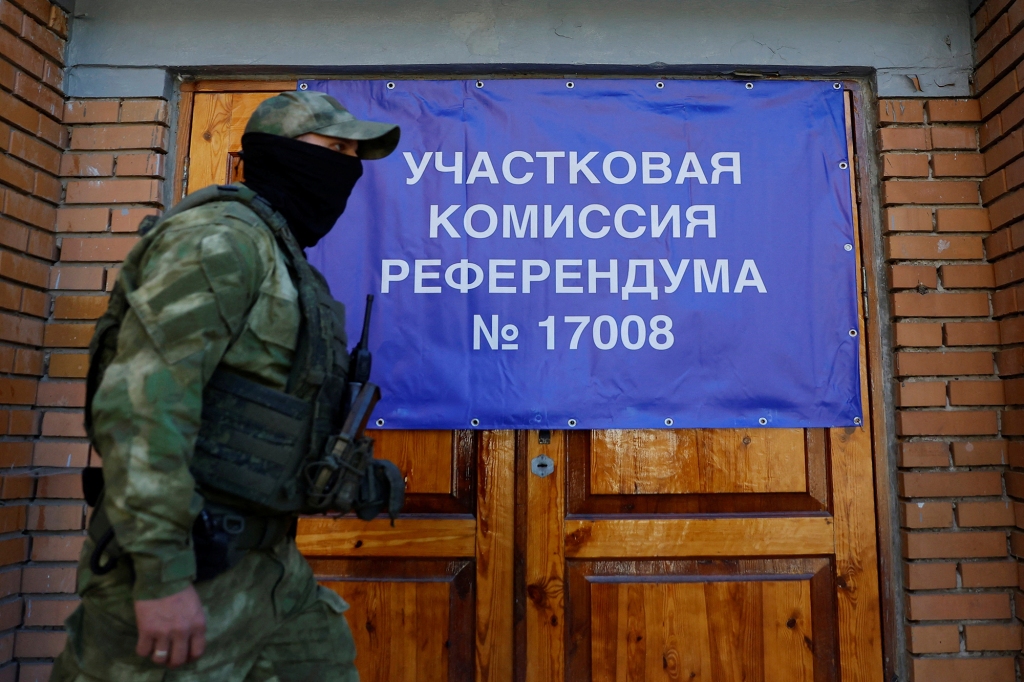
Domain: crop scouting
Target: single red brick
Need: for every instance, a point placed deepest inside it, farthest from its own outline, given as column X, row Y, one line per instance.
column 972, row 333
column 926, row 247
column 39, row 643
column 950, row 483
column 87, row 165
column 60, row 486
column 96, row 249
column 940, row 305
column 57, row 547
column 68, row 365
column 976, row 453
column 68, row 307
column 28, row 362
column 15, row 454
column 144, row 111
column 1013, row 422
column 12, row 518
column 1010, row 361
column 953, row 111
column 954, row 137
column 976, row 393
column 900, row 111
column 922, row 394
column 30, row 210
column 60, row 454
column 994, row 186
column 918, row 334
column 908, row 219
column 978, row 276
column 946, row 669
column 1014, row 479
column 23, row 423
column 21, row 53
column 48, row 612
column 913, row 276
column 17, row 391
column 928, row 576
column 975, row 606
column 930, row 192
column 140, row 163
column 13, row 551
column 982, row 514
column 120, row 137
column 82, row 219
column 113, row 191
column 44, row 39
column 1001, row 637
column 61, row 394
column 128, row 219
column 943, row 363
column 927, row 514
column 91, row 111
column 63, row 425
column 905, row 165
column 975, row 574
column 68, row 335
column 1000, row 93
column 933, row 639
column 76, row 278
column 48, row 580
column 915, row 139
column 54, row 517
column 924, row 454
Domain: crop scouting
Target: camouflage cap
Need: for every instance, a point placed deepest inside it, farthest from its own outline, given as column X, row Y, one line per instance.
column 291, row 114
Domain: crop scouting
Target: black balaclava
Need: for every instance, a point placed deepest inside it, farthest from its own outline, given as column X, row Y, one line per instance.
column 308, row 184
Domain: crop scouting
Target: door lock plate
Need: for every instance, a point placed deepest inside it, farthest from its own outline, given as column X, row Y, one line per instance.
column 542, row 466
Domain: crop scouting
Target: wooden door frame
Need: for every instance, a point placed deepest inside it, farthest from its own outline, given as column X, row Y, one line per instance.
column 877, row 321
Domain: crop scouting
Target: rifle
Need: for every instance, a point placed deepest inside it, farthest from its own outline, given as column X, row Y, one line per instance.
column 349, row 477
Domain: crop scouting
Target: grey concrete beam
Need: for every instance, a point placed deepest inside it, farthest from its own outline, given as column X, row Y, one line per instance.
column 110, row 81
column 929, row 39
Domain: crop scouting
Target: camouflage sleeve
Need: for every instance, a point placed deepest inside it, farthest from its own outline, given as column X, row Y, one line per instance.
column 196, row 285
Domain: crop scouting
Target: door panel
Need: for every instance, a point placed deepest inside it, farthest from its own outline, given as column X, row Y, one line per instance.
column 636, row 462
column 715, row 555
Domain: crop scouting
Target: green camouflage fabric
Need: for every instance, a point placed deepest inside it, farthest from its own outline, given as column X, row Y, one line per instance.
column 266, row 621
column 291, row 114
column 207, row 287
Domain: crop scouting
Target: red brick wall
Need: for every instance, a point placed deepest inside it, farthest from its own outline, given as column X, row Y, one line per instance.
column 958, row 573
column 112, row 174
column 32, row 36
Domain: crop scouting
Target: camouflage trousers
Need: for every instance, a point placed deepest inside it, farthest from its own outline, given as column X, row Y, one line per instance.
column 266, row 621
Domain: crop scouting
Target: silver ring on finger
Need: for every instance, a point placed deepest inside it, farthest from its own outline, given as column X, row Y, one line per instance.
column 160, row 654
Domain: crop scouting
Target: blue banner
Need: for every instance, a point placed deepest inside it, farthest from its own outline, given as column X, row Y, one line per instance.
column 603, row 254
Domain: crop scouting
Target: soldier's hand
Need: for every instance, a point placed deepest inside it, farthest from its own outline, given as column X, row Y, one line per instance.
column 172, row 630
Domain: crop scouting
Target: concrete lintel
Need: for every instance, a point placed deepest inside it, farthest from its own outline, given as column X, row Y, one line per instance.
column 107, row 81
column 930, row 82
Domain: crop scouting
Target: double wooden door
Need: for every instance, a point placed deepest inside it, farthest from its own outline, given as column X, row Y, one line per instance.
column 695, row 555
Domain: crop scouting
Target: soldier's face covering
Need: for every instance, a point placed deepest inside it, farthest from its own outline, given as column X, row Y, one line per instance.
column 308, row 184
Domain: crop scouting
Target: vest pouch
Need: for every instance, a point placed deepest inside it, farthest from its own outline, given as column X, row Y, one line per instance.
column 252, row 442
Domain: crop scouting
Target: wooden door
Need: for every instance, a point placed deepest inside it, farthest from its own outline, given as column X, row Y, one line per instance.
column 697, row 555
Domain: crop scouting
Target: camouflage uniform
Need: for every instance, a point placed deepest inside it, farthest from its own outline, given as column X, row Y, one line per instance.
column 208, row 288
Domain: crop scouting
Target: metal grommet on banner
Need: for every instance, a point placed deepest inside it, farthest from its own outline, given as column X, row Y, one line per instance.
column 659, row 85
column 474, row 422
column 848, row 247
column 844, row 165
column 391, row 85
column 479, row 84
column 570, row 85
column 669, row 421
column 762, row 421
column 572, row 422
column 749, row 86
column 380, row 422
column 303, row 86
column 853, row 332
column 837, row 86
column 858, row 421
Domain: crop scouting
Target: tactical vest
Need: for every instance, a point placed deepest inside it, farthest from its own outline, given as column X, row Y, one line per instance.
column 254, row 441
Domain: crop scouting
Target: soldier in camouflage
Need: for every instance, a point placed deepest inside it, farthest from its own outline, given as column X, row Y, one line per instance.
column 212, row 289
